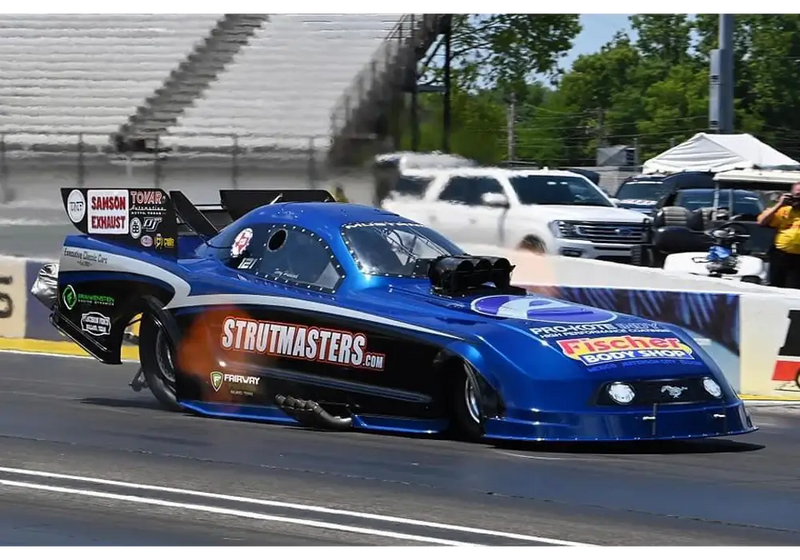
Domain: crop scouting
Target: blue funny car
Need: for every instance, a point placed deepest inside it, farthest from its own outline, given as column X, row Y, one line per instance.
column 288, row 307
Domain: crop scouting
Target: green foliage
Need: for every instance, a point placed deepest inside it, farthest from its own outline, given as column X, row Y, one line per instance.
column 504, row 50
column 652, row 91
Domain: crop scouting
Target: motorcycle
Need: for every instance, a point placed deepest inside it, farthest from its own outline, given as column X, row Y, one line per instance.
column 723, row 258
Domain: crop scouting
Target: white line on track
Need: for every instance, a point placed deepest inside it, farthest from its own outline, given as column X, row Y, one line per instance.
column 234, row 512
column 286, row 505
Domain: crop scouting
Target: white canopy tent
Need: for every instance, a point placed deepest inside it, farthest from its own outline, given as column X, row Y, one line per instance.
column 717, row 152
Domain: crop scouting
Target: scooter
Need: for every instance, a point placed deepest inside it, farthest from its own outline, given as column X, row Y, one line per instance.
column 723, row 259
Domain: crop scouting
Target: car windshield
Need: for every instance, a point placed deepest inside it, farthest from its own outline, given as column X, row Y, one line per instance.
column 642, row 190
column 551, row 189
column 396, row 248
column 744, row 202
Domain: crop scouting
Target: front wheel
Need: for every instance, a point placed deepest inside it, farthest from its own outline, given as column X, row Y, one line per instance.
column 157, row 358
column 533, row 245
column 467, row 405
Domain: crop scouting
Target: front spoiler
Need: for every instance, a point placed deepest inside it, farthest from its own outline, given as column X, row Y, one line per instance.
column 672, row 423
column 666, row 422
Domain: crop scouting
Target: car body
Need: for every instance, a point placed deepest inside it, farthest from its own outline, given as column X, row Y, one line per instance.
column 644, row 192
column 343, row 316
column 548, row 211
column 736, row 202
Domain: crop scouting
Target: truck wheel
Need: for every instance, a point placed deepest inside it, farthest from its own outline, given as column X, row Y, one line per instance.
column 532, row 244
column 467, row 406
column 157, row 360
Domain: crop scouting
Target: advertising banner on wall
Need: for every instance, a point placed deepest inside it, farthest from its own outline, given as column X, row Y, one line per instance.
column 771, row 346
column 13, row 297
column 712, row 319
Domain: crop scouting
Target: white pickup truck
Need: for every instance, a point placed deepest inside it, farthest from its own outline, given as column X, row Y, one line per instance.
column 546, row 211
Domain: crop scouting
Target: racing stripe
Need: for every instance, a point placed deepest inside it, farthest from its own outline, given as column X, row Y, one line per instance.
column 183, row 299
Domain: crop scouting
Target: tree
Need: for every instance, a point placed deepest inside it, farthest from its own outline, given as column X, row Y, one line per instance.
column 506, row 49
column 664, row 38
column 766, row 73
column 478, row 124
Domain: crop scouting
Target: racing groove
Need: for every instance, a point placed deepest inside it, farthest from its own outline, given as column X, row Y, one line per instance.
column 84, row 460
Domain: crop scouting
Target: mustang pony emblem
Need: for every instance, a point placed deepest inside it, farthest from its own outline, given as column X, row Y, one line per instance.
column 673, row 392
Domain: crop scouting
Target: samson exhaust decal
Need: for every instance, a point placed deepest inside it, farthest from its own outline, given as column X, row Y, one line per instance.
column 316, row 344
column 593, row 351
column 108, row 211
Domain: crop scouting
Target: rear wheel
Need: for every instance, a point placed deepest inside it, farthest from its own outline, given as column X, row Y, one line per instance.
column 467, row 405
column 157, row 358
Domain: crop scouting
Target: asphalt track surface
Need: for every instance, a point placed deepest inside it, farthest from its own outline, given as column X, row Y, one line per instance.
column 84, row 460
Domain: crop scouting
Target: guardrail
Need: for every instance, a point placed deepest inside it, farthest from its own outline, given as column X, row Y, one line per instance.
column 752, row 332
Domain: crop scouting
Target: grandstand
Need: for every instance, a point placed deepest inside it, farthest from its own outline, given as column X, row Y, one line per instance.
column 195, row 81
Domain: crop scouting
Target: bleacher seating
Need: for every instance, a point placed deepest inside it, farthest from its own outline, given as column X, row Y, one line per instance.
column 61, row 75
column 285, row 83
column 192, row 80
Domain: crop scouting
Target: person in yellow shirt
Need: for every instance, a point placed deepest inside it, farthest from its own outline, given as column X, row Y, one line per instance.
column 784, row 262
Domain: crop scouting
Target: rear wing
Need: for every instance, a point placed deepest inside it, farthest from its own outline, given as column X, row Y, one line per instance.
column 138, row 218
column 153, row 219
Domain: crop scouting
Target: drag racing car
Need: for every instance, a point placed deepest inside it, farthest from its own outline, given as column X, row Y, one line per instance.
column 288, row 307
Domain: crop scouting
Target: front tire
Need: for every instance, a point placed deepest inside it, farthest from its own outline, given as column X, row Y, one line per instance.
column 533, row 245
column 157, row 358
column 467, row 411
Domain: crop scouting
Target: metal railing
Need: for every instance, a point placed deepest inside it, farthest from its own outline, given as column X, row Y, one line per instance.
column 374, row 73
column 29, row 157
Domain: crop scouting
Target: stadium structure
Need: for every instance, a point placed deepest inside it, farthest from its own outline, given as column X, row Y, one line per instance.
column 223, row 98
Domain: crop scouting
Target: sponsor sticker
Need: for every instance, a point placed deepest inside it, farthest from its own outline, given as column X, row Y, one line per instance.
column 164, row 242
column 146, row 198
column 136, row 228
column 246, row 264
column 238, row 384
column 146, row 241
column 108, row 211
column 85, row 258
column 380, row 224
column 611, row 349
column 76, row 206
column 216, row 380
column 540, row 309
column 95, row 324
column 69, row 297
column 241, row 242
column 566, row 331
column 302, row 342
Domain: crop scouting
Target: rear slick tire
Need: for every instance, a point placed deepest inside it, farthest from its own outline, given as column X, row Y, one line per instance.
column 157, row 360
column 467, row 406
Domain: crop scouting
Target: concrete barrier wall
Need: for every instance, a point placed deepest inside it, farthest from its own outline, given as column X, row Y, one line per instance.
column 752, row 332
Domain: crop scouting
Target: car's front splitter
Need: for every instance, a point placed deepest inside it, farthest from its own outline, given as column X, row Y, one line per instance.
column 665, row 422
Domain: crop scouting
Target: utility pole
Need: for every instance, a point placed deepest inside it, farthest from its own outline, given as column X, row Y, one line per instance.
column 510, row 126
column 720, row 115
